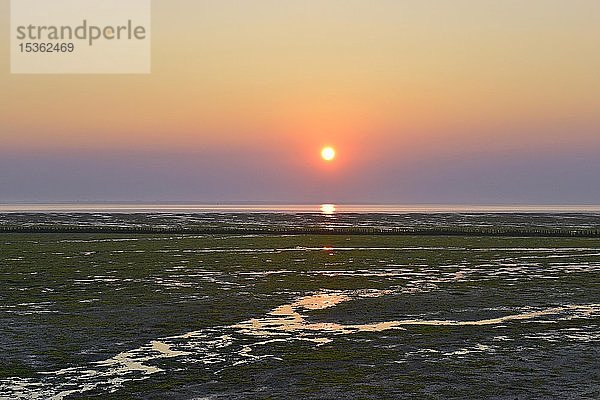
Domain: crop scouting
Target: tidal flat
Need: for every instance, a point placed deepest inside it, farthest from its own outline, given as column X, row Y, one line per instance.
column 112, row 316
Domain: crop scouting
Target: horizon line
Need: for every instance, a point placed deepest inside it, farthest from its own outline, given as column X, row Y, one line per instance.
column 326, row 208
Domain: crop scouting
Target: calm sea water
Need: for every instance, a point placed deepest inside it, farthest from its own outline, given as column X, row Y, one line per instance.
column 296, row 208
column 319, row 317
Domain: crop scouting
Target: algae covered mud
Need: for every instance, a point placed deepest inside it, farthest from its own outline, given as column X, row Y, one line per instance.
column 287, row 316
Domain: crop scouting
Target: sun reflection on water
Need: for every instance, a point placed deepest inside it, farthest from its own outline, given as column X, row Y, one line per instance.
column 328, row 209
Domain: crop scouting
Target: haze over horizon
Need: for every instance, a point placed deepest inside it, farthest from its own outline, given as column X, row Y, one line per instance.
column 466, row 102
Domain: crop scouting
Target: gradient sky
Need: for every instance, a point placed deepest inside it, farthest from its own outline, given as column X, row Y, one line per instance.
column 463, row 101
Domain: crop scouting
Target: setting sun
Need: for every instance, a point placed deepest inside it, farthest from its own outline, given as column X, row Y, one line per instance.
column 328, row 153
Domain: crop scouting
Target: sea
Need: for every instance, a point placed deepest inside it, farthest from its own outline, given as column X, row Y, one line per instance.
column 177, row 315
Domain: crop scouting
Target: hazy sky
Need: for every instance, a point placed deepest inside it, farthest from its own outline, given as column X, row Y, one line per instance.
column 467, row 101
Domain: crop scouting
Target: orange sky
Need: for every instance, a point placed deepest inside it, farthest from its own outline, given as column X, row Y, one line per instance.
column 380, row 79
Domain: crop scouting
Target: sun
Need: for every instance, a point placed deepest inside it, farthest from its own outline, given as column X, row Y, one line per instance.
column 328, row 153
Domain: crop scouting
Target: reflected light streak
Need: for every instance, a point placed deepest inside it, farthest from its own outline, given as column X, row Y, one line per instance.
column 328, row 209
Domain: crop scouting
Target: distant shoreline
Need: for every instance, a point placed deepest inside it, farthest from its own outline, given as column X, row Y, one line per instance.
column 293, row 208
column 349, row 231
